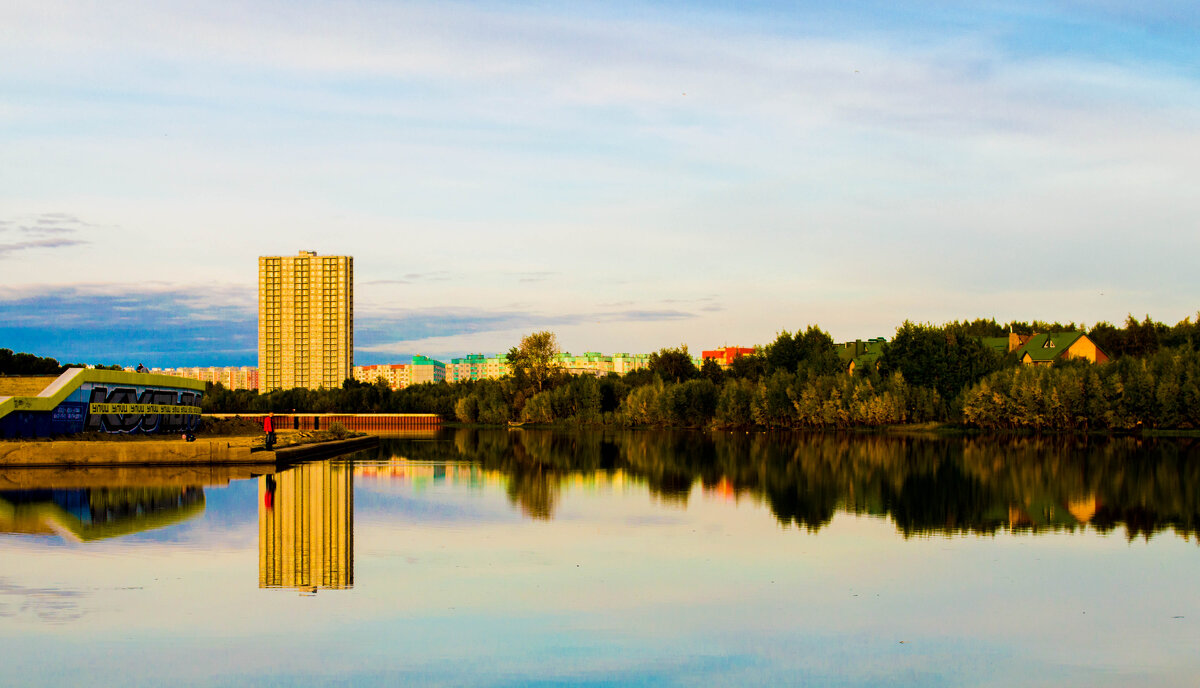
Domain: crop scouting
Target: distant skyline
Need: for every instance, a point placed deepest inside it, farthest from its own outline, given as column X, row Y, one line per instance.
column 629, row 175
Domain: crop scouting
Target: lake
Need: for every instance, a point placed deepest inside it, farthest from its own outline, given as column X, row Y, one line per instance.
column 523, row 557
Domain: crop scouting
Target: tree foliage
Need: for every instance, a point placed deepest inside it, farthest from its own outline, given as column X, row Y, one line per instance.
column 926, row 373
column 673, row 365
column 28, row 364
column 943, row 359
column 534, row 363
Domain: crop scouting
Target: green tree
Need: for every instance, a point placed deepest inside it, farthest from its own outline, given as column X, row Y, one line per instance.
column 942, row 359
column 711, row 370
column 534, row 363
column 784, row 353
column 818, row 354
column 673, row 365
column 749, row 367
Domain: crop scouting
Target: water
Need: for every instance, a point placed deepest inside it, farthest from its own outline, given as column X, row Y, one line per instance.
column 639, row 558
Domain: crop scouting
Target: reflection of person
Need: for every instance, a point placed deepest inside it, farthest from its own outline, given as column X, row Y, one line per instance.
column 269, row 428
column 269, row 493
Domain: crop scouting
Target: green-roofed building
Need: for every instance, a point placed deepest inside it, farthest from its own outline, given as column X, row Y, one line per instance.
column 859, row 353
column 425, row 369
column 477, row 367
column 1046, row 348
column 999, row 344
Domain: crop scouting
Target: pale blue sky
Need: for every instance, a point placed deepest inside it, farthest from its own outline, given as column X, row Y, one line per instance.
column 629, row 175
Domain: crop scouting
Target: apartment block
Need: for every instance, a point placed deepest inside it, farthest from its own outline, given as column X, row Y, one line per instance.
column 396, row 375
column 480, row 367
column 305, row 321
column 400, row 375
column 477, row 367
column 627, row 363
column 424, row 369
column 230, row 377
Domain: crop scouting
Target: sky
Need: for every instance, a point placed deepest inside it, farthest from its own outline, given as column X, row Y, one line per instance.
column 628, row 175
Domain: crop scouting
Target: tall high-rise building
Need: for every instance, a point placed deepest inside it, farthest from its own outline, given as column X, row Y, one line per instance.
column 305, row 321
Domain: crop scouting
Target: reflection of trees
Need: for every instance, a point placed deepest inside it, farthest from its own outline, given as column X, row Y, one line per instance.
column 535, row 491
column 924, row 484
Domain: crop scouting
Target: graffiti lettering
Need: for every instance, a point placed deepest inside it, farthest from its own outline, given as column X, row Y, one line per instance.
column 156, row 410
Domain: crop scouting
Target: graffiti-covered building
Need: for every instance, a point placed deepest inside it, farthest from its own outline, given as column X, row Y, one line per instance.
column 109, row 401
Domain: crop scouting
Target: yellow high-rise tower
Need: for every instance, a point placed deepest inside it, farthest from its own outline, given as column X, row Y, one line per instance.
column 305, row 321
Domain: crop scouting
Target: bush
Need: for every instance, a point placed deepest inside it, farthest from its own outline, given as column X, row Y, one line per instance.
column 339, row 431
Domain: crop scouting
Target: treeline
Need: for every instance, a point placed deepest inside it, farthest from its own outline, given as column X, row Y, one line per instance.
column 29, row 364
column 796, row 381
column 1134, row 339
column 926, row 373
column 1160, row 391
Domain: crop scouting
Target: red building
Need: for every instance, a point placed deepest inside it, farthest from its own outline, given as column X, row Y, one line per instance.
column 725, row 355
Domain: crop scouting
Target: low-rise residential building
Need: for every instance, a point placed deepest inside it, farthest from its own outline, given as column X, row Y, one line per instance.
column 1048, row 347
column 858, row 354
column 1044, row 349
column 724, row 355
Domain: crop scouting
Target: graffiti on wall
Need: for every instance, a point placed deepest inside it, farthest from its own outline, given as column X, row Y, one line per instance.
column 140, row 409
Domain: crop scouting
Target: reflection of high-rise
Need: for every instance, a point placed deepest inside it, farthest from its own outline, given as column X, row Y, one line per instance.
column 306, row 527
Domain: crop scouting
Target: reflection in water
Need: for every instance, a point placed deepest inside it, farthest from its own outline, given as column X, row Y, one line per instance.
column 534, row 493
column 306, row 527
column 98, row 512
column 923, row 484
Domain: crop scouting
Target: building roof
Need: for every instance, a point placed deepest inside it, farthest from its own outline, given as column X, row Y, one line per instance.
column 1048, row 346
column 866, row 350
column 60, row 388
column 1000, row 344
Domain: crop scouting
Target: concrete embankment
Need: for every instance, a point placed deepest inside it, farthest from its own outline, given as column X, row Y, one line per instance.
column 80, row 477
column 174, row 452
column 322, row 450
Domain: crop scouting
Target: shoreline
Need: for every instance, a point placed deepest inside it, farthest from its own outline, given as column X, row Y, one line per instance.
column 931, row 429
column 174, row 452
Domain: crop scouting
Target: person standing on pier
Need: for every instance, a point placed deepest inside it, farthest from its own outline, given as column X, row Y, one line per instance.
column 269, row 429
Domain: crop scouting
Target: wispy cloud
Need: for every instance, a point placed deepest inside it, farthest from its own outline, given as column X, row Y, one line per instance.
column 414, row 278
column 9, row 248
column 45, row 231
column 645, row 316
column 531, row 277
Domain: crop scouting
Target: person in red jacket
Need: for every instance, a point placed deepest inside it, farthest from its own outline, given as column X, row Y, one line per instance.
column 269, row 428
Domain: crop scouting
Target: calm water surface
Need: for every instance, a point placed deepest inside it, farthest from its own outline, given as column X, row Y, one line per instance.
column 521, row 557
